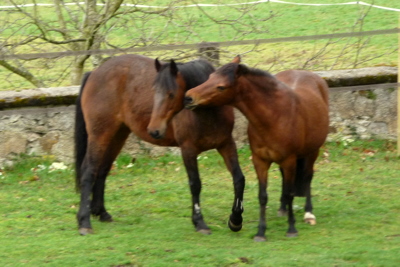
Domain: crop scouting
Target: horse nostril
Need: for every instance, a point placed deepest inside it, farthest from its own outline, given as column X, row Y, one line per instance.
column 188, row 100
column 155, row 134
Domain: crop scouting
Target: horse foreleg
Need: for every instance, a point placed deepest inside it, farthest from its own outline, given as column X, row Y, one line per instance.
column 229, row 154
column 190, row 161
column 261, row 168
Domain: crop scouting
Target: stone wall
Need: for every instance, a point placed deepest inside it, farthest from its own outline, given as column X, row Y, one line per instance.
column 364, row 114
column 361, row 103
column 50, row 131
column 41, row 121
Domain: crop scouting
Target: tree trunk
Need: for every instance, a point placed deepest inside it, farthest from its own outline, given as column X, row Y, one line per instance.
column 77, row 70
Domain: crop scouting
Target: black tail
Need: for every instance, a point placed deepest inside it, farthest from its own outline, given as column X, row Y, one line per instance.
column 80, row 135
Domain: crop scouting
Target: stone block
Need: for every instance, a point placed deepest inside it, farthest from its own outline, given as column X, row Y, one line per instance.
column 12, row 143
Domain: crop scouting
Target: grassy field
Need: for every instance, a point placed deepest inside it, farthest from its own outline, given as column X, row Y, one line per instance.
column 287, row 20
column 355, row 193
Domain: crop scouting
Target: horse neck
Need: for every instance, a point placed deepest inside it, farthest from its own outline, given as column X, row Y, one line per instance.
column 263, row 99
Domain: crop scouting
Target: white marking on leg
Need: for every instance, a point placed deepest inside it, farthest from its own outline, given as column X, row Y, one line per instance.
column 239, row 204
column 197, row 209
column 309, row 215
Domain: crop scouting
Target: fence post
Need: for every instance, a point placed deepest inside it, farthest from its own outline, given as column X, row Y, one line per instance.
column 210, row 52
column 398, row 92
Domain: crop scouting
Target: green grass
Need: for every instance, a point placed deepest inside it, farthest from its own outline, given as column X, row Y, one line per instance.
column 355, row 194
column 287, row 20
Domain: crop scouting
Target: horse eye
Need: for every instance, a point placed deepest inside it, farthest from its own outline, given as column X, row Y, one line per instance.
column 221, row 88
column 170, row 95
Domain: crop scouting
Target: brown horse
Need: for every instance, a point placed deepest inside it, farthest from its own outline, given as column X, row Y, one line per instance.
column 288, row 123
column 117, row 99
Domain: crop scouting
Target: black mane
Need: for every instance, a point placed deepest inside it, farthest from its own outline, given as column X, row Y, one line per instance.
column 194, row 73
column 230, row 70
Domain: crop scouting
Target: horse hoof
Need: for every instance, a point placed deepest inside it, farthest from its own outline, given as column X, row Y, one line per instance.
column 85, row 231
column 260, row 239
column 310, row 218
column 233, row 227
column 105, row 217
column 311, row 221
column 282, row 213
column 204, row 231
column 292, row 234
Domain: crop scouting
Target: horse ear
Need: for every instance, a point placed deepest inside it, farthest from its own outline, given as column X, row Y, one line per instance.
column 157, row 64
column 173, row 68
column 236, row 59
column 241, row 70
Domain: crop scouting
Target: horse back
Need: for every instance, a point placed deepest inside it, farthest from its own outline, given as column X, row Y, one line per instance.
column 305, row 83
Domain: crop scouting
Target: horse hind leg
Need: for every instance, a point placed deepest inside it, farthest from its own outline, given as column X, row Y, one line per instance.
column 97, row 205
column 282, row 211
column 229, row 154
column 110, row 154
column 190, row 161
column 86, row 181
column 309, row 217
column 303, row 175
column 300, row 186
column 94, row 171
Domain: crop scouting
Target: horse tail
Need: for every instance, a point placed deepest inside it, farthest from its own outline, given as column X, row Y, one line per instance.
column 301, row 179
column 81, row 136
column 324, row 90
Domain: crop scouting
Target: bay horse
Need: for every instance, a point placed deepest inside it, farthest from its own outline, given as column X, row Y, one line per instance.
column 117, row 99
column 288, row 118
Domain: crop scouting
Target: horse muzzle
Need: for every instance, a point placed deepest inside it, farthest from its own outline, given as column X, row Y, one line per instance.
column 189, row 103
column 156, row 134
